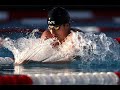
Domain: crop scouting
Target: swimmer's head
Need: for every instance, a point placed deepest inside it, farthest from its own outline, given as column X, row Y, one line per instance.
column 58, row 16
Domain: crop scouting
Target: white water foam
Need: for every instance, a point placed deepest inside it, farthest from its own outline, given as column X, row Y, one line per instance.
column 87, row 47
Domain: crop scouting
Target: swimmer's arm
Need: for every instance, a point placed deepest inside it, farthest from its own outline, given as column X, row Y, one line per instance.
column 45, row 35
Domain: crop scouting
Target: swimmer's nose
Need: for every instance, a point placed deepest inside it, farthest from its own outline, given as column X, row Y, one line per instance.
column 52, row 31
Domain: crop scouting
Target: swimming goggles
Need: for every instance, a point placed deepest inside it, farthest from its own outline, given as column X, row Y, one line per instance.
column 50, row 27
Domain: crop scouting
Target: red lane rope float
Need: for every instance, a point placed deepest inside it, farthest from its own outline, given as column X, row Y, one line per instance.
column 118, row 39
column 15, row 80
column 118, row 74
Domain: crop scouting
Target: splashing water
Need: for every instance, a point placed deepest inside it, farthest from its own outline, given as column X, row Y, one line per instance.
column 86, row 47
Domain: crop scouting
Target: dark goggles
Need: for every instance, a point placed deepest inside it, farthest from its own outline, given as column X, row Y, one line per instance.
column 50, row 27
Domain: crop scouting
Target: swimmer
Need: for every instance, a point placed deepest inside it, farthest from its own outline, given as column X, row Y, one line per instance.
column 58, row 25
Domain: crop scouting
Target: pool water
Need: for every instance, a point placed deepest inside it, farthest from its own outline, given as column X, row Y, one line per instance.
column 87, row 65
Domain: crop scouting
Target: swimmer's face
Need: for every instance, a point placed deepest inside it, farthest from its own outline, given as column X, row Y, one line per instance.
column 57, row 30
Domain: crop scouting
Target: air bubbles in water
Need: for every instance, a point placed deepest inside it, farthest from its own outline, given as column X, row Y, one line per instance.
column 87, row 46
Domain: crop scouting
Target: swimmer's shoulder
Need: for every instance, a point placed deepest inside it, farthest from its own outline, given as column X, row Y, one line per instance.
column 46, row 34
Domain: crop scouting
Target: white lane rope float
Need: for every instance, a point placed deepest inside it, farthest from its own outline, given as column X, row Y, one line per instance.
column 73, row 78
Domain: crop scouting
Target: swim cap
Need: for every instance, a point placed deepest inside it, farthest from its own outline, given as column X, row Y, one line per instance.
column 58, row 16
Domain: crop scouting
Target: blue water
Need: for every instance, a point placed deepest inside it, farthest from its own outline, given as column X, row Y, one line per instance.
column 76, row 66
